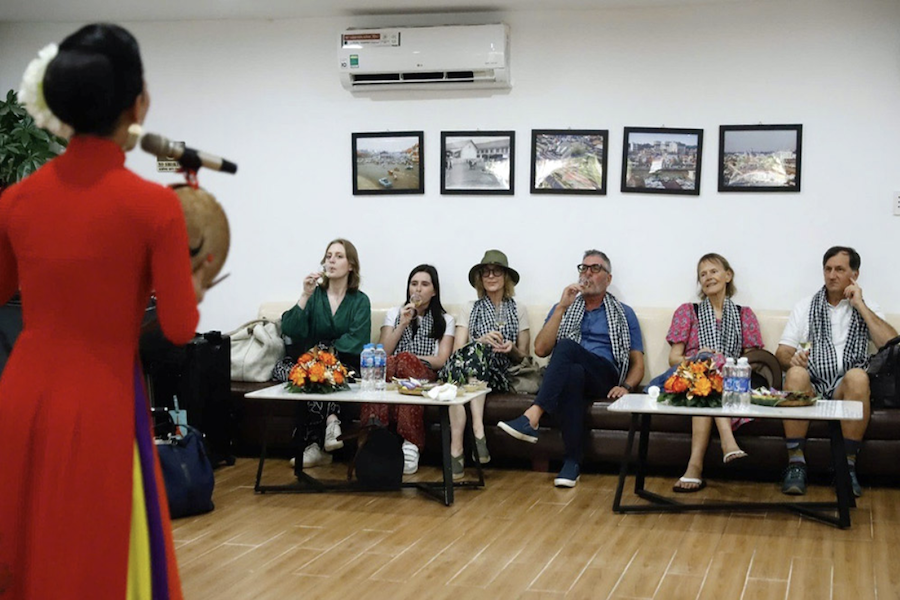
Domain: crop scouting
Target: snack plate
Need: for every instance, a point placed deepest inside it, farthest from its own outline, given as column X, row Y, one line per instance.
column 782, row 399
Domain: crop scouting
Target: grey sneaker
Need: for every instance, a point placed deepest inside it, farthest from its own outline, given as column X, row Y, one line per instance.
column 484, row 456
column 854, row 482
column 794, row 483
column 457, row 466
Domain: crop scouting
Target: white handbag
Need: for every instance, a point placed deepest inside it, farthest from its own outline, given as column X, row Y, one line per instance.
column 255, row 348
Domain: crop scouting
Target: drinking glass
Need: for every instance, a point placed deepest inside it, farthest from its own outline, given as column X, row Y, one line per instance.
column 500, row 317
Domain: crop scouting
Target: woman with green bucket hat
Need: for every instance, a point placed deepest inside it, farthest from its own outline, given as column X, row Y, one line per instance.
column 492, row 334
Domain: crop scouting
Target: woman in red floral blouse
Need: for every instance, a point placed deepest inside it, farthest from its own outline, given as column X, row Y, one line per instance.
column 715, row 325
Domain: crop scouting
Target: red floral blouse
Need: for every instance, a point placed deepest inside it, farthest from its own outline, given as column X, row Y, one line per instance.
column 685, row 329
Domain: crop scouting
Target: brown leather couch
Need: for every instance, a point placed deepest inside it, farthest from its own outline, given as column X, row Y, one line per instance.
column 670, row 439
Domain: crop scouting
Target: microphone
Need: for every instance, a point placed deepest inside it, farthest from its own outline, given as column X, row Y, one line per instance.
column 188, row 158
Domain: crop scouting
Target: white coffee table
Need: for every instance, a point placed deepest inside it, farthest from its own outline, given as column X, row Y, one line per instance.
column 642, row 409
column 442, row 490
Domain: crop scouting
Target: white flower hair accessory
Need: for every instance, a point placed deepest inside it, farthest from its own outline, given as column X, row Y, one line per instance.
column 31, row 95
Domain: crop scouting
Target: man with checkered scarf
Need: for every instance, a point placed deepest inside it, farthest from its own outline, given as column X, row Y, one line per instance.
column 825, row 347
column 597, row 353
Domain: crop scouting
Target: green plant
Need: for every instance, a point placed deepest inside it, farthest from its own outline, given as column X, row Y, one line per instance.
column 23, row 145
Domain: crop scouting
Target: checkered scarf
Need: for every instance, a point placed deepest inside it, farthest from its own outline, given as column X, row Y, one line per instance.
column 619, row 336
column 417, row 338
column 484, row 318
column 726, row 340
column 823, row 362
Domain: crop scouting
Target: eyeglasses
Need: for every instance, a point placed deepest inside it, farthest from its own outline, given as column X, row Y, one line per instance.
column 593, row 268
column 492, row 271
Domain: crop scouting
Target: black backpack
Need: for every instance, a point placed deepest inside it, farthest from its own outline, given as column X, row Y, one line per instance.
column 884, row 375
column 379, row 457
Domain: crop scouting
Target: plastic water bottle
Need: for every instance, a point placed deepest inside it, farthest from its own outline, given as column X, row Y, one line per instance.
column 367, row 366
column 729, row 397
column 380, row 371
column 743, row 383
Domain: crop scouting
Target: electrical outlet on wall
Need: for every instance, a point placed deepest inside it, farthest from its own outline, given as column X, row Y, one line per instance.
column 895, row 201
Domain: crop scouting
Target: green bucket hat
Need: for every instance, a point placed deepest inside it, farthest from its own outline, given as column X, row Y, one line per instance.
column 493, row 257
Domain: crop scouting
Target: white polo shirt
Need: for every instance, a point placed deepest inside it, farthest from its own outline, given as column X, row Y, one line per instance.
column 797, row 329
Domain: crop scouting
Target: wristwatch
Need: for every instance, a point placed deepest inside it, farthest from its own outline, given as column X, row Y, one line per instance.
column 628, row 386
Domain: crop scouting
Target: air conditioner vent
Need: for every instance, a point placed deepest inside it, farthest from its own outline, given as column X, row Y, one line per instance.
column 447, row 57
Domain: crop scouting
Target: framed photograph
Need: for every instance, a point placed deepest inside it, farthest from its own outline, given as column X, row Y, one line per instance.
column 662, row 160
column 760, row 158
column 388, row 163
column 478, row 162
column 569, row 161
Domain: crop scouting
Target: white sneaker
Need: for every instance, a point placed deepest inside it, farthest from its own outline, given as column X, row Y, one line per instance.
column 314, row 457
column 332, row 433
column 410, row 458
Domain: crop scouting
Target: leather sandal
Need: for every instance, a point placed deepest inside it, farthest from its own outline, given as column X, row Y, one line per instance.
column 733, row 456
column 701, row 483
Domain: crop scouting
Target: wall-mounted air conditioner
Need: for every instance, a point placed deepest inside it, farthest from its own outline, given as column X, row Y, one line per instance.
column 447, row 57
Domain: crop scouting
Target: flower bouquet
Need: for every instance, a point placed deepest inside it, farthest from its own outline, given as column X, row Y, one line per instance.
column 317, row 371
column 696, row 383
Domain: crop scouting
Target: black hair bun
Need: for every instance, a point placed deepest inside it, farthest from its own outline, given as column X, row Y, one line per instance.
column 96, row 75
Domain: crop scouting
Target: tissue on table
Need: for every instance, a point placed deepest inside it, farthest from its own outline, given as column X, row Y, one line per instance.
column 444, row 392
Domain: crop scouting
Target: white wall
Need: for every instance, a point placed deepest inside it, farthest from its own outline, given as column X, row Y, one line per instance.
column 266, row 95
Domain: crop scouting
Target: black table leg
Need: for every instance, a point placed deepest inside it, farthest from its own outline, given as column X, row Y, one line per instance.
column 842, row 488
column 301, row 415
column 623, row 470
column 265, row 442
column 643, row 443
column 445, row 452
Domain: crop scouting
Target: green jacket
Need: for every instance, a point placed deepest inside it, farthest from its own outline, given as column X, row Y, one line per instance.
column 349, row 329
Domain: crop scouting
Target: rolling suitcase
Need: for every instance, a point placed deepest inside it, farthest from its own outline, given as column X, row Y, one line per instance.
column 205, row 392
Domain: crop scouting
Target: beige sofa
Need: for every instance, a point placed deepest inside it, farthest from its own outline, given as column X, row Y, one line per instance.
column 654, row 327
column 670, row 440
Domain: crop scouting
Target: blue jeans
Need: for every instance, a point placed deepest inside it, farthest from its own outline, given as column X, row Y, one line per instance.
column 573, row 377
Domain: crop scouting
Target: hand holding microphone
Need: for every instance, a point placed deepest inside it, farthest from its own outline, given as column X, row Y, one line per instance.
column 188, row 158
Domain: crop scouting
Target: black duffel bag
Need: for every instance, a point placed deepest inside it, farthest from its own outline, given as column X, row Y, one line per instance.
column 187, row 472
column 884, row 375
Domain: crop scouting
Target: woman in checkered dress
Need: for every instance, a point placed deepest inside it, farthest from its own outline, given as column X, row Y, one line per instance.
column 492, row 335
column 418, row 338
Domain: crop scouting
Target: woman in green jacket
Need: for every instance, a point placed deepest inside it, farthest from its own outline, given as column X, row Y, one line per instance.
column 332, row 310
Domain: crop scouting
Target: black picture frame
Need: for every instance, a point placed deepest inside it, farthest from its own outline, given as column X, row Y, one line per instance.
column 675, row 153
column 760, row 158
column 388, row 163
column 478, row 162
column 569, row 161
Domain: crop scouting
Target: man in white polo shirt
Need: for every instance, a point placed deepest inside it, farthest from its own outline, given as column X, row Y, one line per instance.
column 825, row 347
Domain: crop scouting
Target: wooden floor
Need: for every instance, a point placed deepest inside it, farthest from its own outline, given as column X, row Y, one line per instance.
column 522, row 538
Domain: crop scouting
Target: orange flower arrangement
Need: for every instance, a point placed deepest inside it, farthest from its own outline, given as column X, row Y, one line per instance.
column 318, row 371
column 694, row 383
